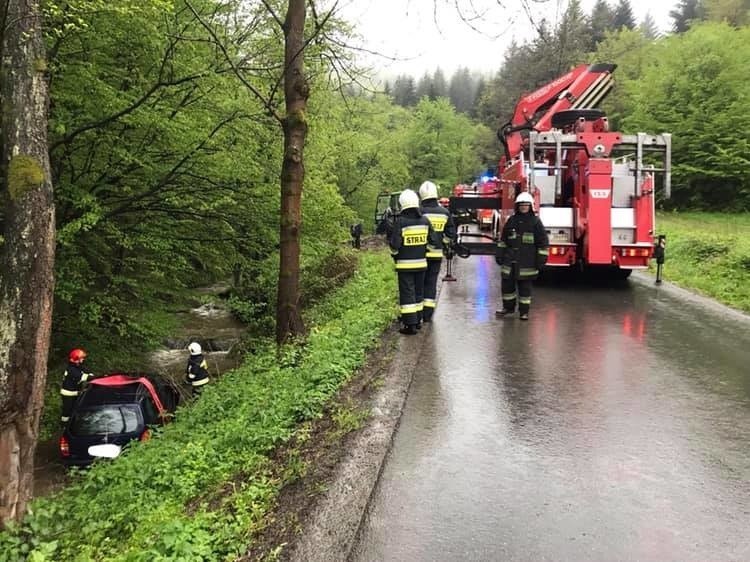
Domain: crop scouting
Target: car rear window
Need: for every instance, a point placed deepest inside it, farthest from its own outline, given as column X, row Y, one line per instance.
column 105, row 419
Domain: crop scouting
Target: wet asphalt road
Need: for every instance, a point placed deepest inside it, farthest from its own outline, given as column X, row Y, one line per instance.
column 613, row 426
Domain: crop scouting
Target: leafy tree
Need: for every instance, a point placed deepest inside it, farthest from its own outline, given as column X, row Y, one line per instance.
column 648, row 28
column 424, row 87
column 361, row 147
column 733, row 12
column 404, row 91
column 529, row 66
column 462, row 90
column 601, row 20
column 439, row 85
column 479, row 89
column 695, row 86
column 631, row 51
column 28, row 251
column 152, row 169
column 623, row 15
column 442, row 145
column 571, row 36
column 685, row 13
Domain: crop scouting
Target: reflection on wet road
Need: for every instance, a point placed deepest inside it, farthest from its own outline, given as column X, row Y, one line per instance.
column 614, row 425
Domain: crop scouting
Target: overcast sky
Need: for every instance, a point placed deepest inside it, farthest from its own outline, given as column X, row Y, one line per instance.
column 426, row 34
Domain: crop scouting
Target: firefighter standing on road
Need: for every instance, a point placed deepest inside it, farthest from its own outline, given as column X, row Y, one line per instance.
column 521, row 253
column 73, row 381
column 408, row 241
column 445, row 234
column 197, row 368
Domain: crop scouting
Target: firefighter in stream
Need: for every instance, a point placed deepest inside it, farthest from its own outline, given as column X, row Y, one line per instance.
column 408, row 240
column 73, row 381
column 521, row 253
column 196, row 371
column 445, row 234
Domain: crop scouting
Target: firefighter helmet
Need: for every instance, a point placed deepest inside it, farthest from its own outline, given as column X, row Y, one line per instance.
column 408, row 200
column 76, row 355
column 195, row 348
column 525, row 197
column 428, row 190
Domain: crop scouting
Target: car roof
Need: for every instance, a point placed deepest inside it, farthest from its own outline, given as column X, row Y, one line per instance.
column 119, row 389
column 112, row 395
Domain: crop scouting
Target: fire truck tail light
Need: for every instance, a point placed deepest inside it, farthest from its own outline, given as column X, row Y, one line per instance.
column 635, row 252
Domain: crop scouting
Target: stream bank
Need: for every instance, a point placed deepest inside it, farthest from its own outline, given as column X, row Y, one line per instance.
column 211, row 324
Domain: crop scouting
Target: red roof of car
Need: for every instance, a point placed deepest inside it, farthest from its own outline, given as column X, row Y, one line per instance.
column 122, row 380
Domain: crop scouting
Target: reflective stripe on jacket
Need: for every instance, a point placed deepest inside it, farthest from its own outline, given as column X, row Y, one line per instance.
column 523, row 243
column 442, row 223
column 409, row 239
column 73, row 378
column 197, row 370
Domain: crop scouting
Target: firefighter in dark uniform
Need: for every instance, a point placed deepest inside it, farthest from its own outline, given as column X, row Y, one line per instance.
column 408, row 241
column 73, row 381
column 196, row 371
column 445, row 233
column 356, row 232
column 521, row 252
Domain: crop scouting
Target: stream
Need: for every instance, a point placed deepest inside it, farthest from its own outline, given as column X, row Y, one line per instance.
column 211, row 325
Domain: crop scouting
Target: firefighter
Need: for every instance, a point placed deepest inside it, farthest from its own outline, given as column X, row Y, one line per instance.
column 408, row 241
column 197, row 368
column 356, row 232
column 445, row 233
column 521, row 253
column 73, row 381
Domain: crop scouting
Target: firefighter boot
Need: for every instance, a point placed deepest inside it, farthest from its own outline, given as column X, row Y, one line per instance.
column 503, row 312
column 524, row 316
column 408, row 330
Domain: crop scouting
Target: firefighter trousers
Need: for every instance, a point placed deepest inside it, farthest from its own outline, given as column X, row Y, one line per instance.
column 410, row 295
column 516, row 290
column 430, row 288
column 67, row 407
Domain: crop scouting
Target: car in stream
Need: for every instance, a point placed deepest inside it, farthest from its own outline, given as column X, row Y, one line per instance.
column 112, row 411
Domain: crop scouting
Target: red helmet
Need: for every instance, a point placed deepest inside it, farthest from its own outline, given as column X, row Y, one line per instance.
column 77, row 355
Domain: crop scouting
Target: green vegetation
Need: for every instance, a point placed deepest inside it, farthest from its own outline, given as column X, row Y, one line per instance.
column 709, row 252
column 166, row 174
column 694, row 86
column 166, row 170
column 24, row 173
column 202, row 487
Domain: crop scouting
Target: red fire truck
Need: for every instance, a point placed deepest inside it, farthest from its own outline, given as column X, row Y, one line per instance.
column 594, row 189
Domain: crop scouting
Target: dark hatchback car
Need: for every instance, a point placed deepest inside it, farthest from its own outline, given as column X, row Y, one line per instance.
column 113, row 411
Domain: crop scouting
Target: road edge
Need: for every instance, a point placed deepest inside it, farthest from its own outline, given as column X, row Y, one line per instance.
column 330, row 531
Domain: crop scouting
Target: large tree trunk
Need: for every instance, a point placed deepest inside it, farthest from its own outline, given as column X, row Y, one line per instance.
column 296, row 91
column 27, row 262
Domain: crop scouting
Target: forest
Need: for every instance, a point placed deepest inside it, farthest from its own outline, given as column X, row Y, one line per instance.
column 166, row 169
column 166, row 158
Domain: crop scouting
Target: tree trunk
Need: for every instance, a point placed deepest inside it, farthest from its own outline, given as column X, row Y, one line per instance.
column 296, row 91
column 27, row 261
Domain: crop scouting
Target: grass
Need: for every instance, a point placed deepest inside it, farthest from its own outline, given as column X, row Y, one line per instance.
column 202, row 488
column 709, row 253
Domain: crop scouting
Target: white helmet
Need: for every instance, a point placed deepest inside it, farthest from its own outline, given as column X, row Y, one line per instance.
column 408, row 200
column 525, row 197
column 428, row 190
column 195, row 348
